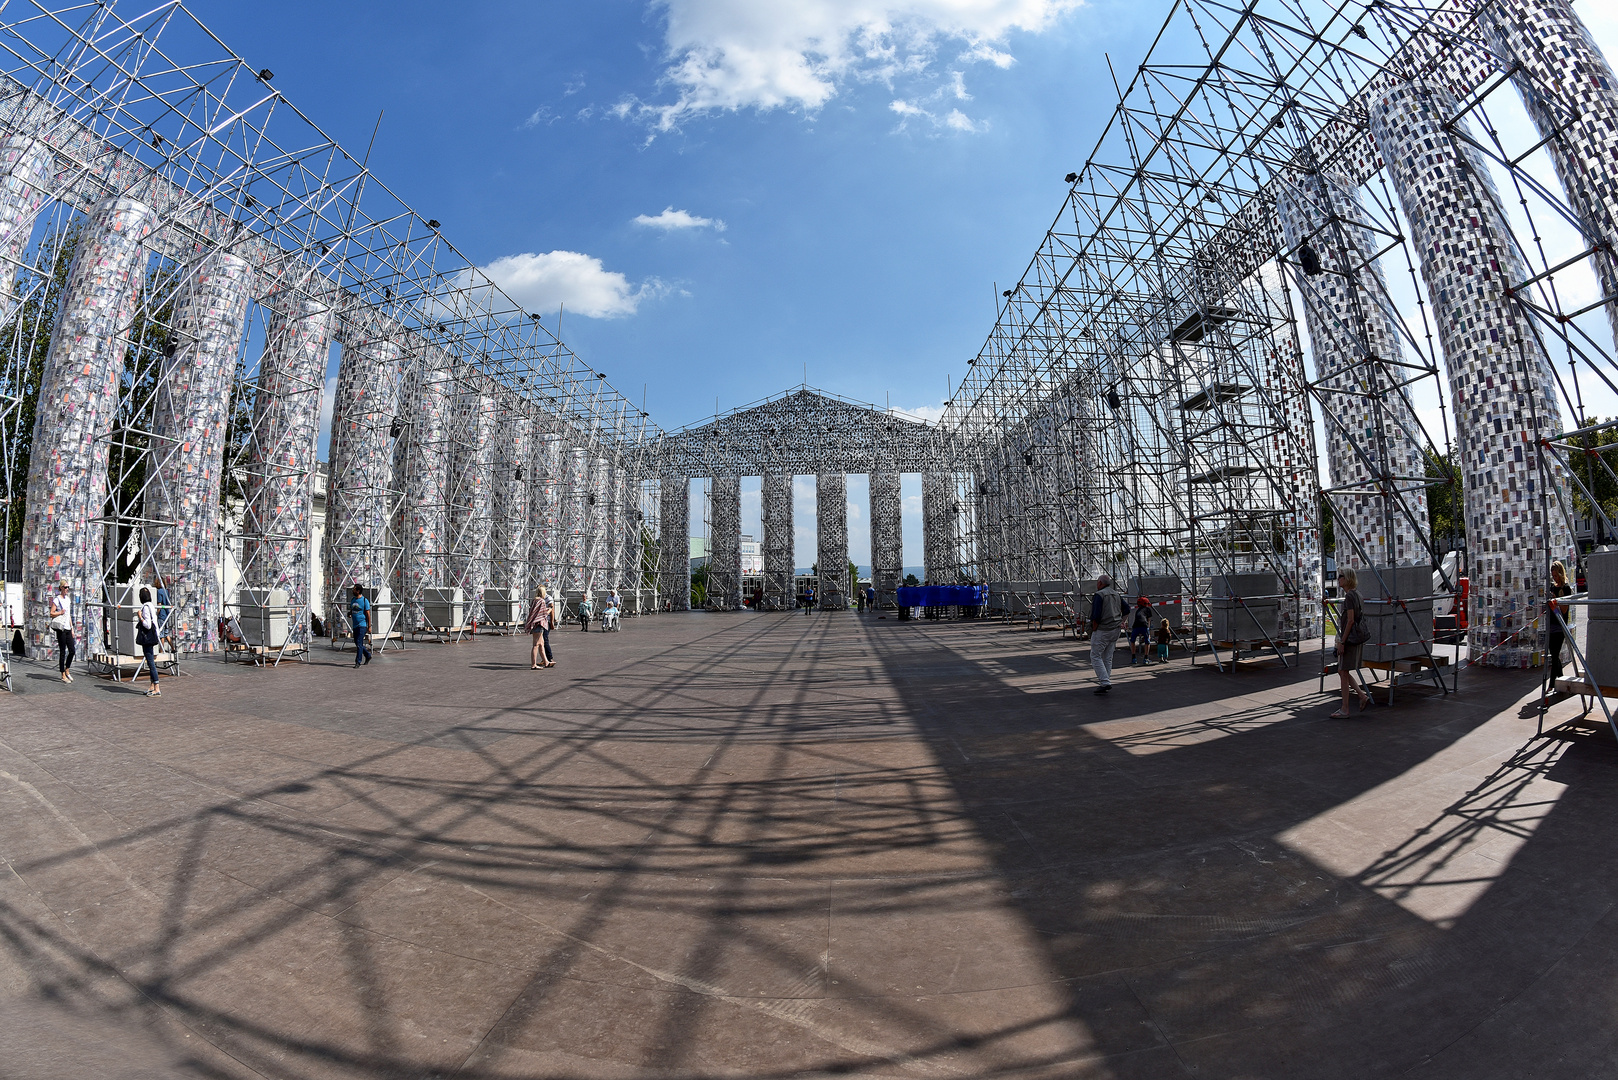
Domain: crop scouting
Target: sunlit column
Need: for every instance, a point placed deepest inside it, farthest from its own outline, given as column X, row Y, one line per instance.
column 188, row 443
column 423, row 476
column 360, row 496
column 281, row 454
column 78, row 398
column 1500, row 377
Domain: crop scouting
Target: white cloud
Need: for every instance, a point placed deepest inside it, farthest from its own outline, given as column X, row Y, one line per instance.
column 957, row 81
column 955, row 120
column 541, row 283
column 930, row 413
column 725, row 55
column 671, row 219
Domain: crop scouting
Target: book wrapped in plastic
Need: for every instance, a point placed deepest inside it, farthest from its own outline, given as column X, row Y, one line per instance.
column 78, row 397
column 360, row 497
column 831, row 540
column 674, row 523
column 545, row 546
column 472, row 473
column 422, row 464
column 513, row 451
column 1500, row 379
column 26, row 166
column 280, row 459
column 188, row 442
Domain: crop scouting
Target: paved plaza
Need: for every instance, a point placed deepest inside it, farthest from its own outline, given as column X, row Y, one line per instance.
column 788, row 846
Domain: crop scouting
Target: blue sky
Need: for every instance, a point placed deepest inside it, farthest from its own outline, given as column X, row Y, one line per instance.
column 859, row 243
column 730, row 195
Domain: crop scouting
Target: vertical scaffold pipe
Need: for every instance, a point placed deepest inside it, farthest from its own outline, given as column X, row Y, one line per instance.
column 887, row 537
column 422, row 475
column 1571, row 93
column 281, row 454
column 674, row 556
column 725, row 566
column 472, row 471
column 576, row 526
column 1371, row 431
column 360, row 497
column 545, row 546
column 514, row 451
column 1499, row 375
column 78, row 398
column 779, row 541
column 938, row 527
column 25, row 177
column 831, row 547
column 188, row 443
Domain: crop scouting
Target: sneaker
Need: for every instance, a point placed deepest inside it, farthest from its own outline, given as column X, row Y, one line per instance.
column 1103, row 689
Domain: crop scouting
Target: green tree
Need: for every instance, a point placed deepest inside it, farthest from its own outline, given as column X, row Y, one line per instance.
column 699, row 586
column 1587, row 466
column 1444, row 510
column 910, row 579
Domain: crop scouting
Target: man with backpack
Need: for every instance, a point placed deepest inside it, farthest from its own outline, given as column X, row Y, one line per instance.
column 1106, row 619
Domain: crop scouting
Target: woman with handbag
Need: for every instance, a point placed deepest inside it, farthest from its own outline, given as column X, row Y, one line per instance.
column 146, row 636
column 1352, row 634
column 62, row 623
column 539, row 625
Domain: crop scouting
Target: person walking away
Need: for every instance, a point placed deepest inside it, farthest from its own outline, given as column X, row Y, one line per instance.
column 1556, row 637
column 359, row 618
column 1140, row 630
column 1106, row 619
column 62, row 623
column 1165, row 636
column 163, row 607
column 587, row 608
column 147, row 637
column 870, row 598
column 539, row 625
column 1351, row 636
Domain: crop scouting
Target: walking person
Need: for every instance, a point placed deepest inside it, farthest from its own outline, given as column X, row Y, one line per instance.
column 147, row 636
column 587, row 608
column 62, row 623
column 1556, row 636
column 539, row 625
column 1140, row 629
column 870, row 598
column 359, row 619
column 1351, row 636
column 1106, row 619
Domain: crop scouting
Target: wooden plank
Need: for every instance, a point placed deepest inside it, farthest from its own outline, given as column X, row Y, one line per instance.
column 1585, row 688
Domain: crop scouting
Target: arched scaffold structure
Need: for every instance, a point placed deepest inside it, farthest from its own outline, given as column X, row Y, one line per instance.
column 189, row 262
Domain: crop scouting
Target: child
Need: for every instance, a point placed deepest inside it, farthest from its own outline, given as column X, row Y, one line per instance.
column 1164, row 636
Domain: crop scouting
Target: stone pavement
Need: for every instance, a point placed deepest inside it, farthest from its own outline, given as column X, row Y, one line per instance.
column 781, row 846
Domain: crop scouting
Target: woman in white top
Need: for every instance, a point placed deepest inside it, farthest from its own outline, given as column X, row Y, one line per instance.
column 62, row 623
column 147, row 630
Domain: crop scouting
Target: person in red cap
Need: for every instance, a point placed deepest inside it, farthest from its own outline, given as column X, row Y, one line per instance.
column 1140, row 632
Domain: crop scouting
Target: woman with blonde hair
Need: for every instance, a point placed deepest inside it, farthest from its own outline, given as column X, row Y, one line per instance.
column 539, row 625
column 1351, row 636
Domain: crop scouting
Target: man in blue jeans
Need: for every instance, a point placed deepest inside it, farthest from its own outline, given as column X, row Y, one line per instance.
column 359, row 618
